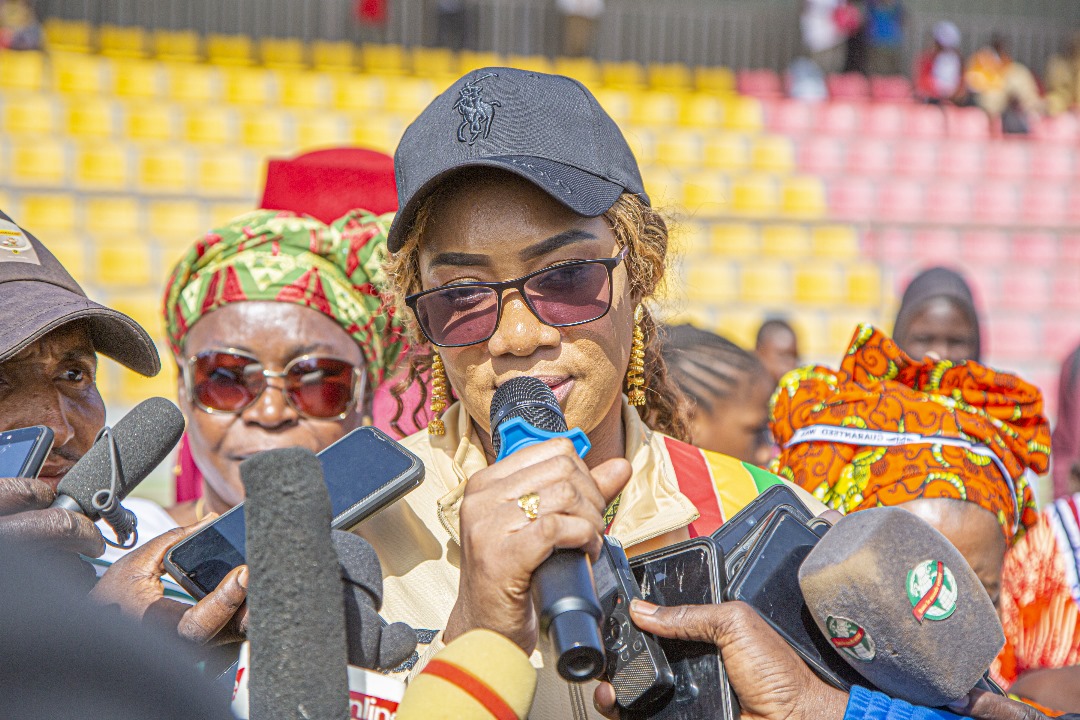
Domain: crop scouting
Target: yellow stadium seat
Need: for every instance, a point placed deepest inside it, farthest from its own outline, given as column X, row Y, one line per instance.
column 268, row 129
column 772, row 154
column 228, row 173
column 285, row 53
column 643, row 144
column 22, row 70
column 743, row 113
column 70, row 250
column 663, row 186
column 335, row 56
column 535, row 63
column 359, row 92
column 765, row 281
column 706, row 192
column 88, row 118
column 248, row 86
column 584, row 70
column 755, row 195
column 177, row 45
column 303, row 89
column 176, row 221
column 740, row 325
column 617, row 103
column 835, row 241
column 134, row 388
column 29, row 114
column 717, row 80
column 377, row 133
column 669, row 76
column 701, row 110
column 68, row 35
column 804, row 197
column 229, row 49
column 150, row 121
column 819, row 283
column 321, row 130
column 138, row 79
column 210, row 125
column 192, row 83
column 810, row 327
column 432, row 61
column 384, row 59
column 655, row 108
column 165, row 168
column 223, row 212
column 690, row 239
column 39, row 161
column 122, row 41
column 842, row 325
column 624, row 75
column 712, row 281
column 78, row 74
column 678, row 148
column 726, row 151
column 125, row 264
column 409, row 95
column 113, row 216
column 864, row 284
column 785, row 241
column 473, row 60
column 49, row 214
column 734, row 240
column 102, row 165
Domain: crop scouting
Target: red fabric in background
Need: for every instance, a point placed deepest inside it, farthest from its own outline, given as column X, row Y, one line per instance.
column 372, row 12
column 326, row 184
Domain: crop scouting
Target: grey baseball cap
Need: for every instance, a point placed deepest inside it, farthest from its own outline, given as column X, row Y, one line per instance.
column 548, row 129
column 38, row 295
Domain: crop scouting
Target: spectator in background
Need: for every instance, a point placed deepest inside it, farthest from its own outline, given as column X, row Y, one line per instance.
column 995, row 80
column 728, row 390
column 19, row 26
column 1063, row 78
column 937, row 315
column 579, row 20
column 778, row 347
column 822, row 36
column 885, row 36
column 856, row 58
column 1066, row 442
column 939, row 71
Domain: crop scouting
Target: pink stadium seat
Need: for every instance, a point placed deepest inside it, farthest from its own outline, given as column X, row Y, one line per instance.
column 820, row 155
column 890, row 88
column 885, row 120
column 887, row 244
column 848, row 86
column 991, row 246
column 901, row 200
column 790, row 117
column 967, row 123
column 1035, row 248
column 839, row 118
column 1066, row 292
column 936, row 246
column 869, row 156
column 851, row 198
column 762, row 84
column 925, row 121
column 948, row 201
column 961, row 159
column 996, row 203
column 1069, row 251
column 1064, row 128
column 1026, row 286
column 1052, row 162
column 1010, row 337
column 1074, row 216
column 1008, row 159
column 916, row 158
column 1044, row 204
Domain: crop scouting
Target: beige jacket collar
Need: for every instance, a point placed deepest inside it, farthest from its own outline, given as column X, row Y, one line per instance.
column 651, row 503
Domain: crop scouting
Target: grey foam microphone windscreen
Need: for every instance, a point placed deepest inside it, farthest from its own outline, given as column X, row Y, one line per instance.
column 144, row 438
column 529, row 399
column 902, row 606
column 297, row 628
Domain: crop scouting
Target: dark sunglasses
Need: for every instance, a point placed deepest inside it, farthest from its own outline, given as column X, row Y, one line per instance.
column 229, row 381
column 572, row 293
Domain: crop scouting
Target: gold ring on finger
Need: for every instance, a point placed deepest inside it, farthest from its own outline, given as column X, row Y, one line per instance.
column 530, row 504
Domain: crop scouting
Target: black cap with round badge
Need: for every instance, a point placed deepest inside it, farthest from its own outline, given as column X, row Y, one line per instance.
column 38, row 295
column 548, row 129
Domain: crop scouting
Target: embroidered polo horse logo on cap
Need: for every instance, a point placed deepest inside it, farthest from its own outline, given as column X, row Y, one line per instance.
column 476, row 112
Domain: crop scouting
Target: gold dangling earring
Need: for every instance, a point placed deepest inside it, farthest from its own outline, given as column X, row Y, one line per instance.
column 635, row 373
column 438, row 396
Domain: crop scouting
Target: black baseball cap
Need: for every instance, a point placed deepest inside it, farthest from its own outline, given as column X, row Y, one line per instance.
column 37, row 295
column 548, row 129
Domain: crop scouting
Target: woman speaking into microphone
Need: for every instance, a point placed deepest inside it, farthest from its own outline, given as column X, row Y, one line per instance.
column 526, row 246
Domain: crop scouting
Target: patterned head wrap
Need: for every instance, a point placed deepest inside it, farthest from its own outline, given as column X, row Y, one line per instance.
column 284, row 257
column 885, row 429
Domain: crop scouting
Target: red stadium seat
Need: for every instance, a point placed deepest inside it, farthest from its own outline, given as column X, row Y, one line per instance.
column 967, row 123
column 1025, row 287
column 949, row 202
column 1045, row 204
column 936, row 246
column 869, row 156
column 901, row 200
column 1008, row 159
column 1064, row 128
column 839, row 118
column 996, row 203
column 885, row 120
column 790, row 117
column 1066, row 294
column 820, row 155
column 1035, row 248
column 1010, row 337
column 990, row 246
column 1052, row 162
column 916, row 158
column 890, row 88
column 1069, row 251
column 926, row 121
column 851, row 198
column 763, row 84
column 888, row 243
column 848, row 86
column 961, row 160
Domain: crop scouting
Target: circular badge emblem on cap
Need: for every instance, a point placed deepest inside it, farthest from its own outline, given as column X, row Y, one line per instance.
column 931, row 588
column 14, row 242
column 850, row 638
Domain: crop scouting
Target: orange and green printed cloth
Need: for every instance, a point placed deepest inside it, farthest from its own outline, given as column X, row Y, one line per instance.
column 280, row 256
column 885, row 429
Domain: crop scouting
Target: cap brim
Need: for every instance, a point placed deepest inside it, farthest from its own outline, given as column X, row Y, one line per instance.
column 43, row 307
column 580, row 191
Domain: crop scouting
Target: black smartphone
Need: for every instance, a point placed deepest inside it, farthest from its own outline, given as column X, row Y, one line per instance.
column 23, row 451
column 365, row 471
column 736, row 536
column 769, row 582
column 687, row 573
column 635, row 665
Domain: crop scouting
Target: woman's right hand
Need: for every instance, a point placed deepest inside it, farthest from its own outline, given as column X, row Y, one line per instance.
column 501, row 547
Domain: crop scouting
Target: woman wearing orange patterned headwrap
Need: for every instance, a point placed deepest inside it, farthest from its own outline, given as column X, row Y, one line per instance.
column 954, row 443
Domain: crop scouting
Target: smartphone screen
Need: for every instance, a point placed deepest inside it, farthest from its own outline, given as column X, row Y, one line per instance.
column 729, row 535
column 364, row 471
column 23, row 451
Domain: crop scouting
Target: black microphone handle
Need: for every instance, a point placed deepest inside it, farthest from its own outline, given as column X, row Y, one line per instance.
column 570, row 619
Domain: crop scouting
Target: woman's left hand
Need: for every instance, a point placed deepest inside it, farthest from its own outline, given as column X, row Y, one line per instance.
column 133, row 583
